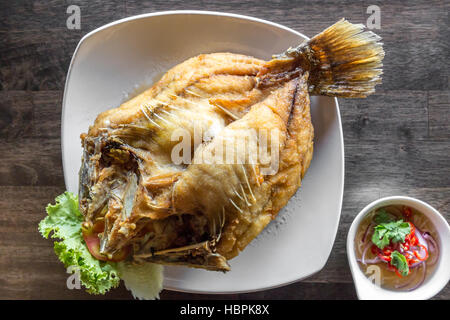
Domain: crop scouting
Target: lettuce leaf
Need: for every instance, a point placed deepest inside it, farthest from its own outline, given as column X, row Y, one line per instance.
column 64, row 220
column 145, row 281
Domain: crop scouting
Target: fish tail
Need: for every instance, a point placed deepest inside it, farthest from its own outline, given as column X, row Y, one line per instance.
column 343, row 61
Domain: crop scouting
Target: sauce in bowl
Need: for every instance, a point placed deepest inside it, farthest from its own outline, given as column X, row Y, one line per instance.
column 400, row 243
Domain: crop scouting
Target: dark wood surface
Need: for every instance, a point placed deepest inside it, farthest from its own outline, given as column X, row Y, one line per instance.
column 396, row 141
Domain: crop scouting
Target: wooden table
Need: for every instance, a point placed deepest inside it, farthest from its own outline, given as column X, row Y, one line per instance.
column 396, row 141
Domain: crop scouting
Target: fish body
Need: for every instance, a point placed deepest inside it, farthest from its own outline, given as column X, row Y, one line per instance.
column 250, row 142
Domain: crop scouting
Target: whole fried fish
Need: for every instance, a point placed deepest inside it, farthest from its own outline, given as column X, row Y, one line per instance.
column 150, row 199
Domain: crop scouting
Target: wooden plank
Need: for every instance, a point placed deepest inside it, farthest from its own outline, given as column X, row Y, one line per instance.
column 439, row 115
column 38, row 46
column 27, row 162
column 33, row 60
column 16, row 114
column 44, row 15
column 396, row 141
column 414, row 164
column 394, row 115
column 30, row 114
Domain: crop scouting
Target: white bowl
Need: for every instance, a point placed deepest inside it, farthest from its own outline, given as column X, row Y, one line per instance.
column 366, row 290
column 112, row 60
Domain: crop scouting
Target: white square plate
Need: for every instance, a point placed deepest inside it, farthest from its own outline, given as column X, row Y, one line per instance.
column 114, row 60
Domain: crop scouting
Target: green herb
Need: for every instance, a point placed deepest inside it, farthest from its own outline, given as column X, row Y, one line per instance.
column 395, row 231
column 383, row 216
column 399, row 261
column 64, row 220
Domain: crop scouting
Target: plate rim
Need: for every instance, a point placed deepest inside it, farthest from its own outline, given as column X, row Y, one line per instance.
column 219, row 14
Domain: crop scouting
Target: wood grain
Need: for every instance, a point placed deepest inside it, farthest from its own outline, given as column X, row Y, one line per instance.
column 396, row 141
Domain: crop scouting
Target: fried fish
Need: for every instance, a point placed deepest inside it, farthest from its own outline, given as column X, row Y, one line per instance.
column 199, row 210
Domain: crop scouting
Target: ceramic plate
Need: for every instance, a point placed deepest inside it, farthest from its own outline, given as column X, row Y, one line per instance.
column 120, row 59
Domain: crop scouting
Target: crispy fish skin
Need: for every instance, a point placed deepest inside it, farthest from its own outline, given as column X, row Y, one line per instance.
column 251, row 206
column 204, row 213
column 180, row 97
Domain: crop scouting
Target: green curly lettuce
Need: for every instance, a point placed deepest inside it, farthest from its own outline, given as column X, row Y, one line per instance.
column 64, row 220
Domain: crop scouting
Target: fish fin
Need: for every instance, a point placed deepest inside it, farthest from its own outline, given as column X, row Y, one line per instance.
column 199, row 255
column 343, row 60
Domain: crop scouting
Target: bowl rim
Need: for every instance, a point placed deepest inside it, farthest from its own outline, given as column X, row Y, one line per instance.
column 356, row 272
column 241, row 17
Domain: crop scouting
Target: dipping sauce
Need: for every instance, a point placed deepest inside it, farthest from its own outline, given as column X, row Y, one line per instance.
column 401, row 241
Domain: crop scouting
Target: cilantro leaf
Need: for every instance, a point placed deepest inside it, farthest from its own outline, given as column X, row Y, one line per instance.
column 398, row 230
column 64, row 220
column 399, row 261
column 380, row 237
column 383, row 216
column 394, row 231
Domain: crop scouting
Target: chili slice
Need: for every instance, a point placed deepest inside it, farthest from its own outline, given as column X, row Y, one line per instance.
column 417, row 254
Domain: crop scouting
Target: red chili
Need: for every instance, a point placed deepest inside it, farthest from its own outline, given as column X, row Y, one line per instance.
column 417, row 254
column 374, row 249
column 398, row 273
column 413, row 229
column 407, row 212
column 385, row 258
column 411, row 240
